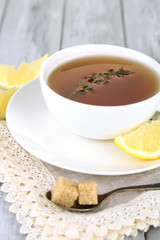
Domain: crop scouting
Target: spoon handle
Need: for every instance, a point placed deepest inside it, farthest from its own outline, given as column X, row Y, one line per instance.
column 146, row 187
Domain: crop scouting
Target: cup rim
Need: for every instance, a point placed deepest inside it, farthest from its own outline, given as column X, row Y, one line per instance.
column 69, row 58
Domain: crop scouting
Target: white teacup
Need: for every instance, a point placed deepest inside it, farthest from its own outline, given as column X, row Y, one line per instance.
column 91, row 121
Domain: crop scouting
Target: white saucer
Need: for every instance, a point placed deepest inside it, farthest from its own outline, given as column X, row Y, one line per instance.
column 37, row 131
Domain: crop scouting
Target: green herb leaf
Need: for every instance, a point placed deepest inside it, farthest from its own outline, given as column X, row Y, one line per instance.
column 90, row 89
column 86, row 85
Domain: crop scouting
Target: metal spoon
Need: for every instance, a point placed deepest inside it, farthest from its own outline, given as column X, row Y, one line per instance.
column 86, row 208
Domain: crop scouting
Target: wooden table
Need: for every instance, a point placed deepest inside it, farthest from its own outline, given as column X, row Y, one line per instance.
column 29, row 29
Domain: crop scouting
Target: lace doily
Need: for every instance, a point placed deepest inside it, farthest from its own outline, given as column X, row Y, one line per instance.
column 26, row 180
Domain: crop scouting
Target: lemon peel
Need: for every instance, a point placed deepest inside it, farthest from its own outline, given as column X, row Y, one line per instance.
column 5, row 97
column 143, row 142
column 10, row 77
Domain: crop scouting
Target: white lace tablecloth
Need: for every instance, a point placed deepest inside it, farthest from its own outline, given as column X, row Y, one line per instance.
column 26, row 180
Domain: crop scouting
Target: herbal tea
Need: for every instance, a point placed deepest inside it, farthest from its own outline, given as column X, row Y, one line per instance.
column 104, row 81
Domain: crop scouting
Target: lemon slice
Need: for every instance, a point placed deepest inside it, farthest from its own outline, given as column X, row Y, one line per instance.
column 4, row 99
column 143, row 142
column 9, row 77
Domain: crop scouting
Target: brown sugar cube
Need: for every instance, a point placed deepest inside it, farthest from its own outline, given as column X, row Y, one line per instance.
column 64, row 192
column 87, row 193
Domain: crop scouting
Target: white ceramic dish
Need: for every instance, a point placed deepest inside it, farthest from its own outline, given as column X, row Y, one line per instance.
column 36, row 130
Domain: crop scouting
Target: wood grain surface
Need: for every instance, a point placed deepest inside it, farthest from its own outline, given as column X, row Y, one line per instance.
column 92, row 22
column 142, row 26
column 29, row 29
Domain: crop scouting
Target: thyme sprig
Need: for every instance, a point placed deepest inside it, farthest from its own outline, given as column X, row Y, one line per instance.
column 87, row 84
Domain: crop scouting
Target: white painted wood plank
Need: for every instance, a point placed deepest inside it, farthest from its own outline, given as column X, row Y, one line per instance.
column 142, row 24
column 9, row 227
column 140, row 236
column 153, row 234
column 2, row 9
column 30, row 29
column 92, row 21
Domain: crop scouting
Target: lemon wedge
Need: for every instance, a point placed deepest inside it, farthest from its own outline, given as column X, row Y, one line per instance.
column 9, row 77
column 143, row 142
column 5, row 96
